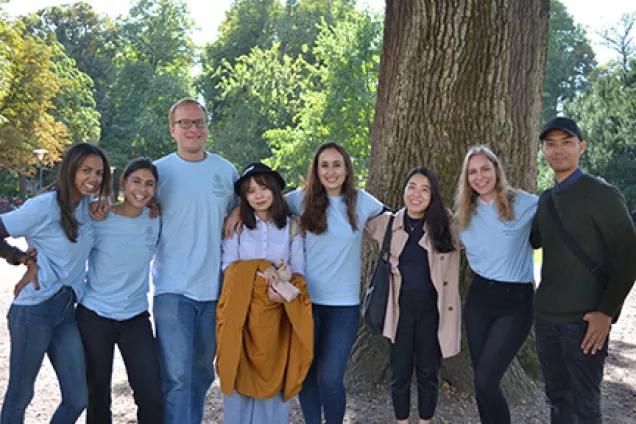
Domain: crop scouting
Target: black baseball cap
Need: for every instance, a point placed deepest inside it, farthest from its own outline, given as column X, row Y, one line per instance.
column 254, row 169
column 564, row 124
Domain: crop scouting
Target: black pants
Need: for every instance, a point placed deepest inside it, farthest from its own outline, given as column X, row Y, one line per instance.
column 572, row 378
column 416, row 344
column 498, row 319
column 139, row 352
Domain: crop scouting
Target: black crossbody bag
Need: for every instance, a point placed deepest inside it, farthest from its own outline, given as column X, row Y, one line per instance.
column 375, row 299
column 589, row 263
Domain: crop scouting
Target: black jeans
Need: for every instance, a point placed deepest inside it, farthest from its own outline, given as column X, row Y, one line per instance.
column 141, row 358
column 416, row 344
column 498, row 319
column 572, row 378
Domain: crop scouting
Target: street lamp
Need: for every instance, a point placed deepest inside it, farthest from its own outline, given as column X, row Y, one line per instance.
column 40, row 155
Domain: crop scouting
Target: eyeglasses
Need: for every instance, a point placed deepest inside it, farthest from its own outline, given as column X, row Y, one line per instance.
column 187, row 123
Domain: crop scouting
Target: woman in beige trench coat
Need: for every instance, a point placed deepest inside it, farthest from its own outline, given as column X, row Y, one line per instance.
column 423, row 317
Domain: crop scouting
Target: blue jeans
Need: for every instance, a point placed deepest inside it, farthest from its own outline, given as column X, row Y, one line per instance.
column 572, row 378
column 335, row 331
column 186, row 335
column 48, row 327
column 498, row 319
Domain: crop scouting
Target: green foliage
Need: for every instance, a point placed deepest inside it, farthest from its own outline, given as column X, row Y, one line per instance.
column 340, row 105
column 30, row 81
column 74, row 105
column 299, row 24
column 91, row 40
column 158, row 32
column 570, row 61
column 261, row 23
column 142, row 97
column 152, row 74
column 248, row 24
column 607, row 117
column 9, row 183
column 261, row 91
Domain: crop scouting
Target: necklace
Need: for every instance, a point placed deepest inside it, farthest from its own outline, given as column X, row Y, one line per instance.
column 410, row 225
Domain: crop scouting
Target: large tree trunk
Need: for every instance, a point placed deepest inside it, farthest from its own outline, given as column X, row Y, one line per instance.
column 454, row 74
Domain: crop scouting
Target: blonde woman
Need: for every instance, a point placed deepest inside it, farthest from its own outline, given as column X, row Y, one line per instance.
column 494, row 222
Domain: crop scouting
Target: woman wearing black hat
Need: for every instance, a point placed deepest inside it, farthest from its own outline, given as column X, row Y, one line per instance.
column 266, row 233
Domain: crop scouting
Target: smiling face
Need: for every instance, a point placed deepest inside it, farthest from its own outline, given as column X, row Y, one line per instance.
column 260, row 198
column 482, row 177
column 562, row 151
column 88, row 177
column 417, row 195
column 190, row 141
column 332, row 171
column 139, row 188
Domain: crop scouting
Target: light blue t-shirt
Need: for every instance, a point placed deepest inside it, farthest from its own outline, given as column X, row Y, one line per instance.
column 194, row 198
column 500, row 250
column 119, row 266
column 60, row 261
column 333, row 258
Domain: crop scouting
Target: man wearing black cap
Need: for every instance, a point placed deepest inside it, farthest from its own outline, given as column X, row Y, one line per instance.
column 589, row 245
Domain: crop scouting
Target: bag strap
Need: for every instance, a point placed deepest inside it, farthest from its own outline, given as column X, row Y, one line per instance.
column 294, row 229
column 585, row 259
column 387, row 238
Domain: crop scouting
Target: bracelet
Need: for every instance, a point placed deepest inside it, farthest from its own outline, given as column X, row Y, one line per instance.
column 30, row 257
column 15, row 260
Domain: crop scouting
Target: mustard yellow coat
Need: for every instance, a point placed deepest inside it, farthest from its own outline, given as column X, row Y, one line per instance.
column 262, row 347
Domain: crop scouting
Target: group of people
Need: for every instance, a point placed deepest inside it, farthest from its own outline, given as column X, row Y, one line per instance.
column 280, row 293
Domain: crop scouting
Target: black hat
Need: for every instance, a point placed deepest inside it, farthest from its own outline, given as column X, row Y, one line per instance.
column 563, row 124
column 254, row 169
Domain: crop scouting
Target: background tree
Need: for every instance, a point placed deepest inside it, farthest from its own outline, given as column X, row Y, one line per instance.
column 153, row 72
column 88, row 38
column 248, row 24
column 339, row 103
column 479, row 83
column 570, row 62
column 262, row 90
column 606, row 113
column 29, row 85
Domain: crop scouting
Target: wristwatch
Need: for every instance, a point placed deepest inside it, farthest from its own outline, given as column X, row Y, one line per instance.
column 16, row 259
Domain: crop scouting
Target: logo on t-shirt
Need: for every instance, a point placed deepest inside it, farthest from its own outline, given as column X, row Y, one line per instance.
column 218, row 188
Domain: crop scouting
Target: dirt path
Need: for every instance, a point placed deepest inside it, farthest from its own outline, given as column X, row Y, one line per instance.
column 619, row 387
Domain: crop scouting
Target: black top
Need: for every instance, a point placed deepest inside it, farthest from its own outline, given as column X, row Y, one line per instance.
column 416, row 275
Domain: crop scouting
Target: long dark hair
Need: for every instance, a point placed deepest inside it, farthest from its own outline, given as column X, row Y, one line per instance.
column 278, row 212
column 65, row 184
column 314, row 217
column 437, row 219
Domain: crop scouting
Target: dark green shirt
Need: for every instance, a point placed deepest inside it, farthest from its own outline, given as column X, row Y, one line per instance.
column 596, row 216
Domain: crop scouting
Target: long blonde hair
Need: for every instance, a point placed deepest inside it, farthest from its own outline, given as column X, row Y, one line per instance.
column 466, row 197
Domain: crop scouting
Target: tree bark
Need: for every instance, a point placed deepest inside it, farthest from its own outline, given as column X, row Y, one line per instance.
column 454, row 73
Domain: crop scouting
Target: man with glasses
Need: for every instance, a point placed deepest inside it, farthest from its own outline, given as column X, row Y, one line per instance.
column 195, row 192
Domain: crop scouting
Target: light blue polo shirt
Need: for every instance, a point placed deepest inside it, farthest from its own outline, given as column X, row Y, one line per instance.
column 119, row 266
column 60, row 261
column 194, row 198
column 500, row 250
column 333, row 259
